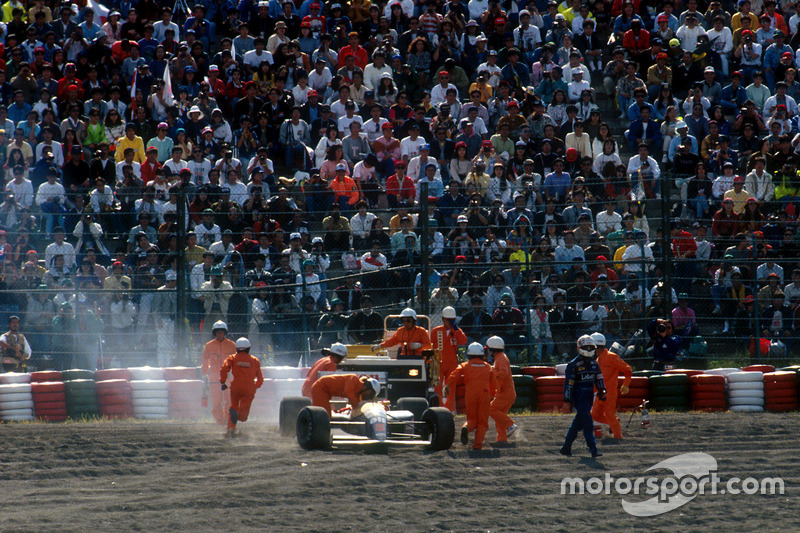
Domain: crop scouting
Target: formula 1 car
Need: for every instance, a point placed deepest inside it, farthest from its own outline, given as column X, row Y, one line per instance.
column 435, row 429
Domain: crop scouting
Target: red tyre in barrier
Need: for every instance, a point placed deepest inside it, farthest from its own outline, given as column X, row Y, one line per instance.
column 706, row 379
column 110, row 374
column 48, row 386
column 709, row 402
column 701, row 396
column 181, row 372
column 782, row 407
column 49, row 405
column 550, row 389
column 550, row 380
column 49, row 397
column 759, row 368
column 548, row 407
column 780, row 377
column 547, row 398
column 116, row 411
column 52, row 418
column 707, row 387
column 770, row 394
column 638, row 391
column 538, row 371
column 46, row 375
column 688, row 371
column 638, row 382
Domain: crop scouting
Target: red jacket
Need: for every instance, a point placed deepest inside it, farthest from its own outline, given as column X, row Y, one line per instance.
column 362, row 58
column 406, row 191
column 684, row 245
column 630, row 42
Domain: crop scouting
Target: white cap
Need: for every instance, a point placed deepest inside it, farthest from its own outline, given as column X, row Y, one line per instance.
column 599, row 339
column 242, row 343
column 219, row 324
column 408, row 313
column 577, row 70
column 524, row 12
column 495, row 343
column 342, row 166
column 462, row 218
column 376, row 385
column 171, row 275
column 317, row 240
column 709, row 69
column 448, row 312
column 295, row 235
column 680, row 125
column 337, row 348
column 475, row 349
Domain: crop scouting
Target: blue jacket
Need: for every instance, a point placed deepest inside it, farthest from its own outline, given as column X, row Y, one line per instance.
column 581, row 378
column 772, row 57
column 665, row 349
column 636, row 131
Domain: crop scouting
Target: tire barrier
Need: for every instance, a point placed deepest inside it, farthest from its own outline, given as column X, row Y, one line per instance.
column 14, row 377
column 525, row 387
column 780, row 391
column 177, row 373
column 46, row 376
column 49, row 400
column 76, row 374
column 746, row 391
column 266, row 404
column 648, row 373
column 113, row 373
column 669, row 392
column 639, row 391
column 759, row 368
column 561, row 369
column 538, row 371
column 185, row 396
column 687, row 371
column 284, row 372
column 114, row 398
column 144, row 373
column 707, row 392
column 150, row 397
column 549, row 393
column 81, row 395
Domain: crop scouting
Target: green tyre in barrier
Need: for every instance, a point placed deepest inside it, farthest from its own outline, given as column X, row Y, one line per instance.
column 77, row 373
column 669, row 390
column 648, row 373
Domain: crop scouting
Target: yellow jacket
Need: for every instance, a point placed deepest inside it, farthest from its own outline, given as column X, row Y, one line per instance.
column 137, row 144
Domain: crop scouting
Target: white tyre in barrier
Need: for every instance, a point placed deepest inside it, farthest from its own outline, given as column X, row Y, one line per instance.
column 282, row 372
column 148, row 402
column 15, row 412
column 746, row 394
column 15, row 377
column 146, row 373
column 14, row 397
column 20, row 404
column 149, row 384
column 153, row 417
column 746, row 385
column 746, row 401
column 739, row 377
column 747, row 409
column 561, row 369
column 162, row 394
column 17, row 418
column 12, row 388
column 151, row 410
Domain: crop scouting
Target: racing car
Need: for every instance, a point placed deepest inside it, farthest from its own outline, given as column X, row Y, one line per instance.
column 434, row 430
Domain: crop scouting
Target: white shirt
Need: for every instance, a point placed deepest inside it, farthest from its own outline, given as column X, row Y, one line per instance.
column 361, row 226
column 438, row 93
column 199, row 171
column 160, row 29
column 46, row 191
column 173, row 167
column 374, row 130
column 688, row 37
column 406, row 5
column 319, row 82
column 594, row 319
column 23, row 192
column 724, row 43
column 238, row 193
column 65, row 249
column 575, row 88
column 372, row 75
column 58, row 153
column 344, row 123
column 137, row 170
column 772, row 103
column 607, row 223
column 410, row 148
column 633, row 253
column 207, row 236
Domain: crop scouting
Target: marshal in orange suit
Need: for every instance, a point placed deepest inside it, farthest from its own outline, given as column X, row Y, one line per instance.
column 611, row 366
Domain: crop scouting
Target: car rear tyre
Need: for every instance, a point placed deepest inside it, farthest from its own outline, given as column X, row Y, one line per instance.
column 441, row 427
column 418, row 406
column 313, row 428
column 289, row 409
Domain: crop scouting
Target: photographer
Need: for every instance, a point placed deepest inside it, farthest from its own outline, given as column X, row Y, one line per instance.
column 665, row 345
column 749, row 54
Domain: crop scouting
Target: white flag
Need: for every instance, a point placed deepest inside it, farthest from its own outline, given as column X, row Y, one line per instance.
column 169, row 96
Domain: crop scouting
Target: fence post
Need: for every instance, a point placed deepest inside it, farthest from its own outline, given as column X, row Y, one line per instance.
column 182, row 275
column 424, row 245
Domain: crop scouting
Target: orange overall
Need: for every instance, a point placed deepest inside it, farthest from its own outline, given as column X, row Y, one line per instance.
column 479, row 381
column 504, row 396
column 246, row 371
column 326, row 364
column 611, row 365
column 214, row 354
column 404, row 337
column 337, row 385
column 451, row 340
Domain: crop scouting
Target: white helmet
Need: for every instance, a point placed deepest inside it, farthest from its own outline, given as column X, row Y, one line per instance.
column 586, row 346
column 337, row 348
column 598, row 338
column 375, row 384
column 475, row 349
column 448, row 312
column 495, row 343
column 219, row 324
column 408, row 313
column 242, row 343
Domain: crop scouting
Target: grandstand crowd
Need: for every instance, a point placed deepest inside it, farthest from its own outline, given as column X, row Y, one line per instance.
column 535, row 144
